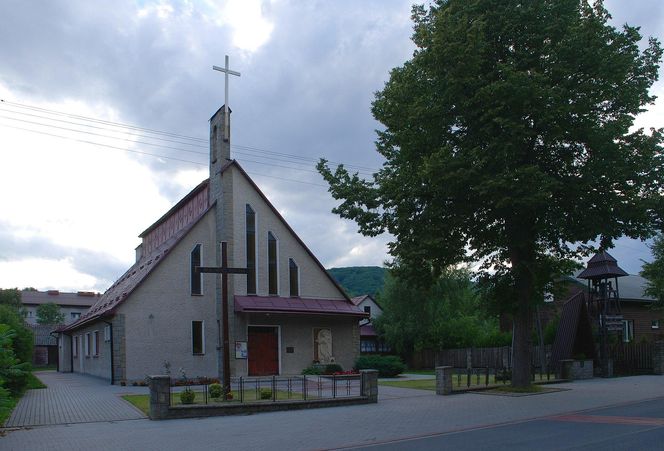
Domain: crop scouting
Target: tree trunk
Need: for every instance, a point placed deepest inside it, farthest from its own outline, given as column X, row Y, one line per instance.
column 522, row 265
column 523, row 329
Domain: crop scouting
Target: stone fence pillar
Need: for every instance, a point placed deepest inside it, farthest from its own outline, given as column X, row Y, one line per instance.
column 444, row 376
column 369, row 384
column 658, row 357
column 160, row 396
column 566, row 368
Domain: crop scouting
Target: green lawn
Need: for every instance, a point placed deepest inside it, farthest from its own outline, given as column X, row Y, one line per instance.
column 422, row 372
column 34, row 382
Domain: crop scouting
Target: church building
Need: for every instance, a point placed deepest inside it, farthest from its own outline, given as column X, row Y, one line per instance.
column 224, row 243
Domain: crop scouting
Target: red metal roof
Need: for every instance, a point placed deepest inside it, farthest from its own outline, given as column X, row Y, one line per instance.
column 275, row 304
column 368, row 331
column 130, row 280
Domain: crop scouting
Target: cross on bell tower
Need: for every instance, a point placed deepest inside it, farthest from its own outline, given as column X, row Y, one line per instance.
column 226, row 70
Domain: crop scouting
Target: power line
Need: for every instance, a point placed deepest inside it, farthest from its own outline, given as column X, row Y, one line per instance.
column 153, row 155
column 161, row 133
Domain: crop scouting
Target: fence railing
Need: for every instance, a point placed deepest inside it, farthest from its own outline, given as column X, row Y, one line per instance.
column 268, row 389
column 633, row 358
column 466, row 378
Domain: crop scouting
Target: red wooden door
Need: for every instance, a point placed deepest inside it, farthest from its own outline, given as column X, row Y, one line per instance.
column 263, row 350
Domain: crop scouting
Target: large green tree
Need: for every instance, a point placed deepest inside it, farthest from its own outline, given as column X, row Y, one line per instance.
column 448, row 314
column 507, row 141
column 50, row 313
column 653, row 272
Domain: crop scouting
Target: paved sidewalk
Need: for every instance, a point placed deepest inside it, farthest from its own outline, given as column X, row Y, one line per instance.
column 399, row 415
column 73, row 398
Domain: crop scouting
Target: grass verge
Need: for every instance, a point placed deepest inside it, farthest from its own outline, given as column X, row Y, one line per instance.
column 8, row 403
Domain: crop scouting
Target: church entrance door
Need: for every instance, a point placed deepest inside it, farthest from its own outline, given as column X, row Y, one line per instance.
column 263, row 350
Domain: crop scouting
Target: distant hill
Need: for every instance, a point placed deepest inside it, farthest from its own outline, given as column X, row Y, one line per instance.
column 358, row 280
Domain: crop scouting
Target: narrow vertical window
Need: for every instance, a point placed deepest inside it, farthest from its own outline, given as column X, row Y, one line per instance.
column 196, row 277
column 95, row 343
column 250, row 216
column 272, row 273
column 197, row 342
column 75, row 350
column 293, row 277
column 87, row 345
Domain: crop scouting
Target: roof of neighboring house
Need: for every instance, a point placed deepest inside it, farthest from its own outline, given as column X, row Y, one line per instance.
column 78, row 299
column 368, row 330
column 630, row 288
column 357, row 300
column 131, row 279
column 276, row 304
column 42, row 333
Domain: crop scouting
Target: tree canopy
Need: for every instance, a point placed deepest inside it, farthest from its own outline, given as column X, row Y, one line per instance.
column 507, row 141
column 653, row 272
column 49, row 313
column 448, row 314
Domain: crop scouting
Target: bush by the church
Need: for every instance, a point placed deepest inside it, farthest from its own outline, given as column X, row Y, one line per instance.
column 215, row 390
column 387, row 365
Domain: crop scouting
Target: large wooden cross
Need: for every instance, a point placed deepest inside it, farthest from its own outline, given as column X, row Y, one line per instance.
column 227, row 72
column 224, row 270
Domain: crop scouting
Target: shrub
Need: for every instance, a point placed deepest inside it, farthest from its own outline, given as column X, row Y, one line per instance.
column 312, row 370
column 187, row 396
column 266, row 393
column 13, row 373
column 332, row 368
column 387, row 365
column 215, row 390
column 23, row 340
column 503, row 375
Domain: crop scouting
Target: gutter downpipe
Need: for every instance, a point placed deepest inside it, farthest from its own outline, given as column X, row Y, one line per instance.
column 110, row 325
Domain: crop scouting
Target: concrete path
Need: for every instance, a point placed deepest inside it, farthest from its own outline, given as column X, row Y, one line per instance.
column 400, row 414
column 73, row 398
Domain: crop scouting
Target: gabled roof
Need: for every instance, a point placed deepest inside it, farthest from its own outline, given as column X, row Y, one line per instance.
column 131, row 279
column 276, row 304
column 288, row 227
column 357, row 300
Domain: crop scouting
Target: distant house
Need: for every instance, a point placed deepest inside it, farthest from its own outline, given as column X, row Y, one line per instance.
column 284, row 312
column 46, row 345
column 72, row 305
column 639, row 320
column 370, row 343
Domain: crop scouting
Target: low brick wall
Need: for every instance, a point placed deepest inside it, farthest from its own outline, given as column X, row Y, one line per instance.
column 658, row 357
column 576, row 369
column 161, row 409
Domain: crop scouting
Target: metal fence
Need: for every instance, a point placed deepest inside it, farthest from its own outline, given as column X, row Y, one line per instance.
column 270, row 389
column 633, row 358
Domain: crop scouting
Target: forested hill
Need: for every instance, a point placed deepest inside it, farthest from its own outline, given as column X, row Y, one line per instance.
column 359, row 280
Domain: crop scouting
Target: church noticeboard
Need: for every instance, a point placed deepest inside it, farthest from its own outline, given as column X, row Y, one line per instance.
column 240, row 349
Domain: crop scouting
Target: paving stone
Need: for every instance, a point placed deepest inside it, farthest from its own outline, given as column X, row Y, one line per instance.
column 72, row 398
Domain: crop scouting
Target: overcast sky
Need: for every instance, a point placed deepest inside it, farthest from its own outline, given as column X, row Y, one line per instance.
column 76, row 189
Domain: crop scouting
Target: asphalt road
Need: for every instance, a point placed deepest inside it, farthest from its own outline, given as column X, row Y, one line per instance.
column 633, row 426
